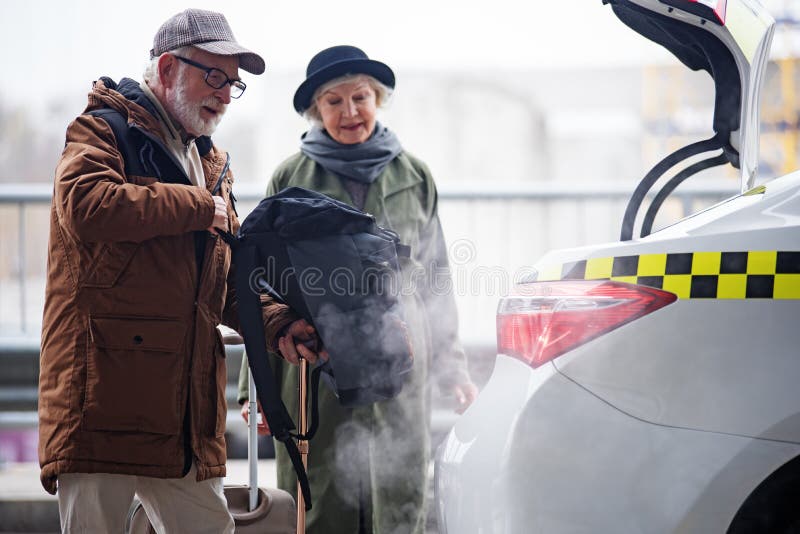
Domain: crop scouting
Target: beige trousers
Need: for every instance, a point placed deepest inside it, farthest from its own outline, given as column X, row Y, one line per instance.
column 99, row 503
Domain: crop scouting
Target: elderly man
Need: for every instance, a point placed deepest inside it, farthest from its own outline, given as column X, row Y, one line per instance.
column 132, row 381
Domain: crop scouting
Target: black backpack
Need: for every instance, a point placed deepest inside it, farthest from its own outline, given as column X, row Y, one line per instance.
column 335, row 267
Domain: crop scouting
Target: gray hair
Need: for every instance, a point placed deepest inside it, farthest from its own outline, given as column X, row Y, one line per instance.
column 383, row 94
column 150, row 75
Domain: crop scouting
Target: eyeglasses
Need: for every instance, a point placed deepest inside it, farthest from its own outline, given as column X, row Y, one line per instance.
column 218, row 79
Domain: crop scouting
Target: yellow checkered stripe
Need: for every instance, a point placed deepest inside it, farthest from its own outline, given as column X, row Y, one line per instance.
column 763, row 274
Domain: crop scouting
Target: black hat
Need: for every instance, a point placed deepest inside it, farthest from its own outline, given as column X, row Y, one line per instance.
column 334, row 62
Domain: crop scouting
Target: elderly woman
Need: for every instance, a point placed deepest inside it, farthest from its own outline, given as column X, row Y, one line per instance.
column 368, row 465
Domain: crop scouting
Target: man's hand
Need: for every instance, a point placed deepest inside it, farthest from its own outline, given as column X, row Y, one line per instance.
column 220, row 215
column 263, row 427
column 299, row 341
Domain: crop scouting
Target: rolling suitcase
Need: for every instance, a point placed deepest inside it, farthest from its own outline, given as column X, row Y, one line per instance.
column 254, row 509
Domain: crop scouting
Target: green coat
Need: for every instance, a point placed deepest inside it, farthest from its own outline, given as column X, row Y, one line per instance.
column 378, row 455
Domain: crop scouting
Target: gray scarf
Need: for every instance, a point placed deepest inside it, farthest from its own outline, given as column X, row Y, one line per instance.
column 362, row 162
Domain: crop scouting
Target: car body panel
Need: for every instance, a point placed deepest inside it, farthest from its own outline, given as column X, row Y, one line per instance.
column 752, row 343
column 704, row 373
column 564, row 460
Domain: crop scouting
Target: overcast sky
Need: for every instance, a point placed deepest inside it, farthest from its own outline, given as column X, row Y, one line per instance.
column 54, row 46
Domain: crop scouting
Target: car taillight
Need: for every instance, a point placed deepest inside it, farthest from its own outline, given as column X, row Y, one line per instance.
column 543, row 320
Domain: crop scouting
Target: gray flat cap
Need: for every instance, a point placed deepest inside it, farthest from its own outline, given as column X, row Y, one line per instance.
column 207, row 31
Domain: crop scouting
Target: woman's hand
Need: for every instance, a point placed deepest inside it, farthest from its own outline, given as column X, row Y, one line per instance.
column 301, row 341
column 464, row 393
column 263, row 427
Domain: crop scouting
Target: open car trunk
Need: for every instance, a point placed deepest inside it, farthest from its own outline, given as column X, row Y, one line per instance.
column 729, row 39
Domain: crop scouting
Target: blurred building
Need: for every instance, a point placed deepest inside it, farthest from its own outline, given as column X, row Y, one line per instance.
column 549, row 135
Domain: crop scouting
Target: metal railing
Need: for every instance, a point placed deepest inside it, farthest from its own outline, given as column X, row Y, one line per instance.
column 18, row 200
column 463, row 203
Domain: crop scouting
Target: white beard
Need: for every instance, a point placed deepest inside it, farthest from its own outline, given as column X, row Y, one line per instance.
column 188, row 113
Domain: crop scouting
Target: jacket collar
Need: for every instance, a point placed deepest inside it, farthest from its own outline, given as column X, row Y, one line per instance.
column 398, row 176
column 130, row 100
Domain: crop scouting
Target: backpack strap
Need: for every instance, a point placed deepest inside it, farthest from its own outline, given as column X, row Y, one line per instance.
column 128, row 146
column 314, row 390
column 278, row 419
column 315, row 376
column 142, row 153
column 403, row 251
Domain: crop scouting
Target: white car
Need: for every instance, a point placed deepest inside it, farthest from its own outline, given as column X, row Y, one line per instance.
column 652, row 384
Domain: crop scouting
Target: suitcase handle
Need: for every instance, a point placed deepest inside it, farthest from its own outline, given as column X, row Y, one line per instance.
column 252, row 442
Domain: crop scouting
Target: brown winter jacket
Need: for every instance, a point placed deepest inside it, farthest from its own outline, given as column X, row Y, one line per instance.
column 129, row 338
